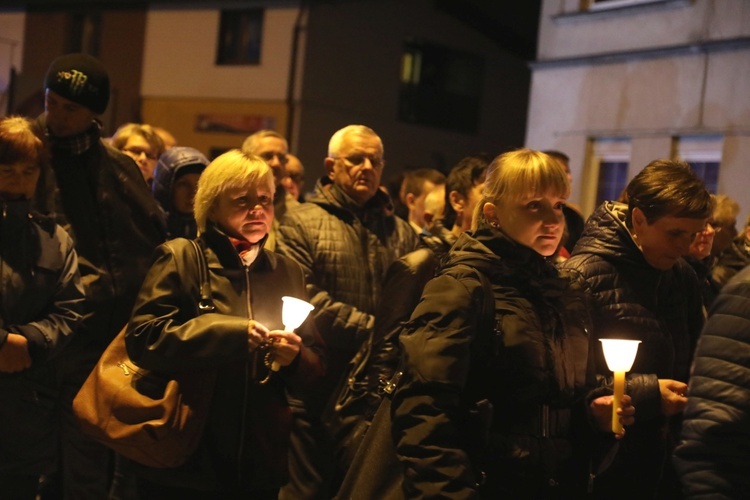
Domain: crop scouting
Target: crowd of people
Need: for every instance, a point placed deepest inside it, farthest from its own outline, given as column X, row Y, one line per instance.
column 453, row 349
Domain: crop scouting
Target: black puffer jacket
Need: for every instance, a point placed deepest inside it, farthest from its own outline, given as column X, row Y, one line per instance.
column 172, row 163
column 534, row 363
column 345, row 251
column 244, row 447
column 712, row 459
column 41, row 298
column 662, row 309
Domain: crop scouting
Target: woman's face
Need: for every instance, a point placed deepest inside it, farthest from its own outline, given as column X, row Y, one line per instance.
column 138, row 148
column 18, row 180
column 534, row 220
column 245, row 213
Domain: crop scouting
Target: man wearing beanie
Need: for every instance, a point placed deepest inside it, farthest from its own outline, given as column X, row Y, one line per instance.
column 98, row 194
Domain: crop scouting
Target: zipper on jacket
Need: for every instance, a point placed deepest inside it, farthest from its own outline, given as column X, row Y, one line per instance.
column 243, row 423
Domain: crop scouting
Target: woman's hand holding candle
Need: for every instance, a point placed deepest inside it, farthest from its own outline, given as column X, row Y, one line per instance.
column 601, row 412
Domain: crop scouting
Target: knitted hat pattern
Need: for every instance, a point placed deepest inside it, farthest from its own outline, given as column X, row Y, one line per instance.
column 80, row 78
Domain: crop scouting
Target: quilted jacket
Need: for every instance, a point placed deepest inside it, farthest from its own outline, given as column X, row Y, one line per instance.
column 345, row 251
column 662, row 309
column 712, row 459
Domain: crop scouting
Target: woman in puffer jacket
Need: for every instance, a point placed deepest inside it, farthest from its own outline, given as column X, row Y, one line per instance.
column 502, row 408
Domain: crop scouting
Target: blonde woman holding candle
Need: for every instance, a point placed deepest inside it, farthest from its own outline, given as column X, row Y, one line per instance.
column 503, row 412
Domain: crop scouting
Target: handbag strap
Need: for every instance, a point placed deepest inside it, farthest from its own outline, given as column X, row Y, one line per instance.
column 205, row 304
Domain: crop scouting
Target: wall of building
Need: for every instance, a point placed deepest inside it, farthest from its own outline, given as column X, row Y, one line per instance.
column 49, row 34
column 677, row 70
column 352, row 75
column 183, row 88
column 11, row 51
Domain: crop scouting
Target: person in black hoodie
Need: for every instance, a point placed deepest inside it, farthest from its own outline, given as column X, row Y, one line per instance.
column 175, row 183
column 502, row 412
column 41, row 304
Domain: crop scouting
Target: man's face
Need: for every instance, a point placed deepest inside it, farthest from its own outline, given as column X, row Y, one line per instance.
column 183, row 193
column 416, row 204
column 357, row 167
column 66, row 118
column 274, row 152
column 665, row 240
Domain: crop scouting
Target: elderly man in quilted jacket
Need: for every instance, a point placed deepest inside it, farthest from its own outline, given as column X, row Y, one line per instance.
column 642, row 289
column 345, row 238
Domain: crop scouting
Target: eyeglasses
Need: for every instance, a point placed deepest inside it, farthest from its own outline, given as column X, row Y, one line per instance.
column 269, row 156
column 356, row 160
column 137, row 152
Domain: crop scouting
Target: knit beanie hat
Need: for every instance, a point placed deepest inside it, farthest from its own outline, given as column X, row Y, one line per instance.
column 82, row 79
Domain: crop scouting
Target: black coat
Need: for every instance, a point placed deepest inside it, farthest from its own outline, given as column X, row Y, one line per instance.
column 535, row 361
column 244, row 447
column 662, row 309
column 41, row 298
column 100, row 197
column 713, row 457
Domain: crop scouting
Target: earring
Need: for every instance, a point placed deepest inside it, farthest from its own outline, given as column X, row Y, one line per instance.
column 494, row 224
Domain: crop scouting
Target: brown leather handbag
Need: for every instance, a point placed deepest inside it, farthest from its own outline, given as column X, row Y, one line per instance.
column 151, row 418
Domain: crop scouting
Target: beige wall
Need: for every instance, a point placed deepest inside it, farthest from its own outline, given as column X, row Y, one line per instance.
column 181, row 80
column 180, row 115
column 648, row 98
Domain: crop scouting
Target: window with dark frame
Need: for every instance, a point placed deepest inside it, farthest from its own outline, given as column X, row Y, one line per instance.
column 440, row 87
column 613, row 177
column 240, row 37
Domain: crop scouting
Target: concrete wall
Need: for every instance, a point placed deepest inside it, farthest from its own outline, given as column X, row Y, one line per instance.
column 12, row 26
column 352, row 67
column 650, row 97
column 181, row 81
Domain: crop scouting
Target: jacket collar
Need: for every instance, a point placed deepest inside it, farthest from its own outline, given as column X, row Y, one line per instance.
column 331, row 197
column 228, row 257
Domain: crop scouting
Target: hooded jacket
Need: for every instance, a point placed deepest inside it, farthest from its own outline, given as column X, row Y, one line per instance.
column 535, row 362
column 41, row 298
column 169, row 167
column 731, row 261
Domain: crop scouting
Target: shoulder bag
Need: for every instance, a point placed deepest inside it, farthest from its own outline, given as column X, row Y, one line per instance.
column 153, row 419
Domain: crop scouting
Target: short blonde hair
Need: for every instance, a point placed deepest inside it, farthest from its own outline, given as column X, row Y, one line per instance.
column 124, row 132
column 520, row 173
column 234, row 169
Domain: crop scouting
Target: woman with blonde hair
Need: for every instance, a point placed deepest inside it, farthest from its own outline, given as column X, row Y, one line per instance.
column 497, row 399
column 141, row 143
column 243, row 453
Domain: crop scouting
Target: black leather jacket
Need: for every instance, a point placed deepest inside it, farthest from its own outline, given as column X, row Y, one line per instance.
column 245, row 442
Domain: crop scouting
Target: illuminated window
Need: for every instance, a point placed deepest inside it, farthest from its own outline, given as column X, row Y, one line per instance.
column 440, row 87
